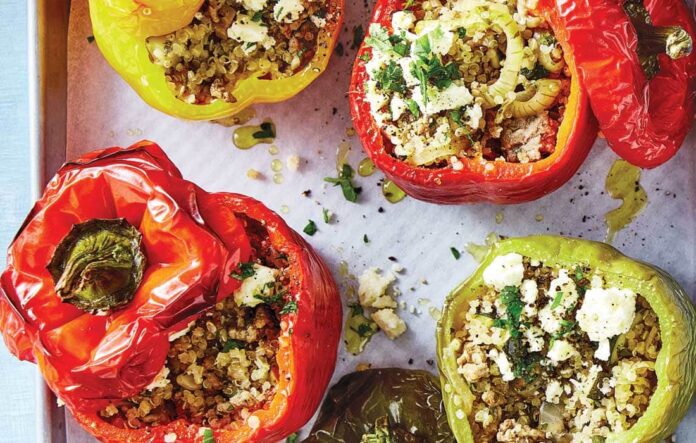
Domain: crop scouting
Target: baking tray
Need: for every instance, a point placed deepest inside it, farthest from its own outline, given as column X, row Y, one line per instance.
column 424, row 250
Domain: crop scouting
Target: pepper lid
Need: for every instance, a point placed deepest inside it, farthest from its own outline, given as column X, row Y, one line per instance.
column 636, row 61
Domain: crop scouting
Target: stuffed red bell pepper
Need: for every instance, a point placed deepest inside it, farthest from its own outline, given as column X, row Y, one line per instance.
column 636, row 61
column 160, row 312
column 466, row 102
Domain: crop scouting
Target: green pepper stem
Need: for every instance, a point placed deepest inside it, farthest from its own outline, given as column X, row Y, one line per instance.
column 673, row 41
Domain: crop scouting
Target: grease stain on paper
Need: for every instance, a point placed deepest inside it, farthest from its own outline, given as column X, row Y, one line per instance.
column 623, row 182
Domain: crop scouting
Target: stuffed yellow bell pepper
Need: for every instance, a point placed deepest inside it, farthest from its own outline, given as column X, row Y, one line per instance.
column 204, row 60
column 557, row 339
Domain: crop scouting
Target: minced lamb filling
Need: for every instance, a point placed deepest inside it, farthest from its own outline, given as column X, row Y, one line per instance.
column 223, row 366
column 455, row 79
column 229, row 40
column 552, row 354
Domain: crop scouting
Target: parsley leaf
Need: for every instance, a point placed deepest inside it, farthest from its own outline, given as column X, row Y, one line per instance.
column 413, row 107
column 326, row 214
column 365, row 56
column 510, row 296
column 557, row 300
column 456, row 116
column 461, row 32
column 246, row 270
column 292, row 438
column 379, row 39
column 289, row 308
column 311, row 228
column 391, row 78
column 455, row 253
column 208, row 436
column 536, row 73
column 345, row 181
column 267, row 131
column 232, row 344
column 365, row 239
column 270, row 299
column 258, row 15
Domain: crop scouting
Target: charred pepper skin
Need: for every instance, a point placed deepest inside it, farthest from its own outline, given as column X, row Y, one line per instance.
column 480, row 180
column 675, row 366
column 121, row 28
column 193, row 241
column 644, row 120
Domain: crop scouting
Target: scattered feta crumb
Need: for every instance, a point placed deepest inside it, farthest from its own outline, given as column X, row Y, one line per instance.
column 387, row 320
column 554, row 391
column 293, row 162
column 260, row 283
column 504, row 270
column 160, row 380
column 170, row 438
column 500, row 359
column 561, row 350
column 372, row 288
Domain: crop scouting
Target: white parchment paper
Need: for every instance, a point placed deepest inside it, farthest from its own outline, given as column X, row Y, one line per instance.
column 104, row 111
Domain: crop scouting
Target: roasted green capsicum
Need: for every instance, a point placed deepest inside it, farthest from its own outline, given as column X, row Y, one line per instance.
column 383, row 406
column 635, row 294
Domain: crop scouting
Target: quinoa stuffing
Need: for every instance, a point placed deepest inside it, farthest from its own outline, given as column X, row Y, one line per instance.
column 223, row 366
column 552, row 354
column 229, row 40
column 453, row 80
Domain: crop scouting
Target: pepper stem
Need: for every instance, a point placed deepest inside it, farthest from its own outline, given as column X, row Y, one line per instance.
column 673, row 41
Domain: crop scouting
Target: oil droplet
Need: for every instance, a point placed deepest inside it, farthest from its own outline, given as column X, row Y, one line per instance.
column 253, row 174
column 273, row 150
column 391, row 192
column 423, row 301
column 623, row 182
column 277, row 165
column 342, row 155
column 499, row 217
column 366, row 168
column 240, row 118
column 435, row 313
column 479, row 252
column 246, row 137
column 539, row 217
column 285, row 209
column 278, row 178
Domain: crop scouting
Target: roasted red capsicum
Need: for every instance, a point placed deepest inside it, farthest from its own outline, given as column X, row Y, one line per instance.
column 477, row 170
column 636, row 61
column 119, row 255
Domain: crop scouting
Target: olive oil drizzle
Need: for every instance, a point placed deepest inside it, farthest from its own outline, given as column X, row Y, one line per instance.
column 623, row 182
column 391, row 192
column 366, row 167
column 246, row 137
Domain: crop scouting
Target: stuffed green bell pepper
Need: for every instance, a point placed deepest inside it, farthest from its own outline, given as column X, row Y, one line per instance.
column 565, row 340
column 383, row 406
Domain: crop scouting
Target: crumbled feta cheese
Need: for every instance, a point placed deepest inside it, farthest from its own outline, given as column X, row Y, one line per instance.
column 245, row 30
column 402, row 20
column 170, row 438
column 161, row 380
column 500, row 359
column 287, row 11
column 452, row 97
column 440, row 40
column 550, row 322
column 529, row 291
column 261, row 283
column 606, row 313
column 561, row 350
column 319, row 22
column 254, row 5
column 504, row 270
column 387, row 320
column 535, row 338
column 566, row 286
column 372, row 288
column 473, row 114
column 409, row 78
column 554, row 390
column 397, row 107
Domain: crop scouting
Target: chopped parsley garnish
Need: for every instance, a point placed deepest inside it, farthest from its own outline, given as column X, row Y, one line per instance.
column 311, row 228
column 326, row 214
column 232, row 344
column 267, row 131
column 345, row 181
column 510, row 296
column 270, row 299
column 461, row 32
column 547, row 39
column 292, row 438
column 365, row 239
column 391, row 78
column 455, row 253
column 413, row 107
column 578, row 273
column 278, row 14
column 567, row 327
column 557, row 300
column 358, row 36
column 246, row 270
column 536, row 73
column 258, row 15
column 365, row 56
column 409, row 3
column 289, row 308
column 208, row 436
column 379, row 39
column 456, row 116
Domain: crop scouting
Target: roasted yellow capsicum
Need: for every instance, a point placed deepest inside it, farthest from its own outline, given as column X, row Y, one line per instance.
column 123, row 28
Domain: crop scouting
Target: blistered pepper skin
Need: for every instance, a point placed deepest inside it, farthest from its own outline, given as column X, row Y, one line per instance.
column 193, row 241
column 675, row 366
column 644, row 121
column 480, row 180
column 121, row 28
